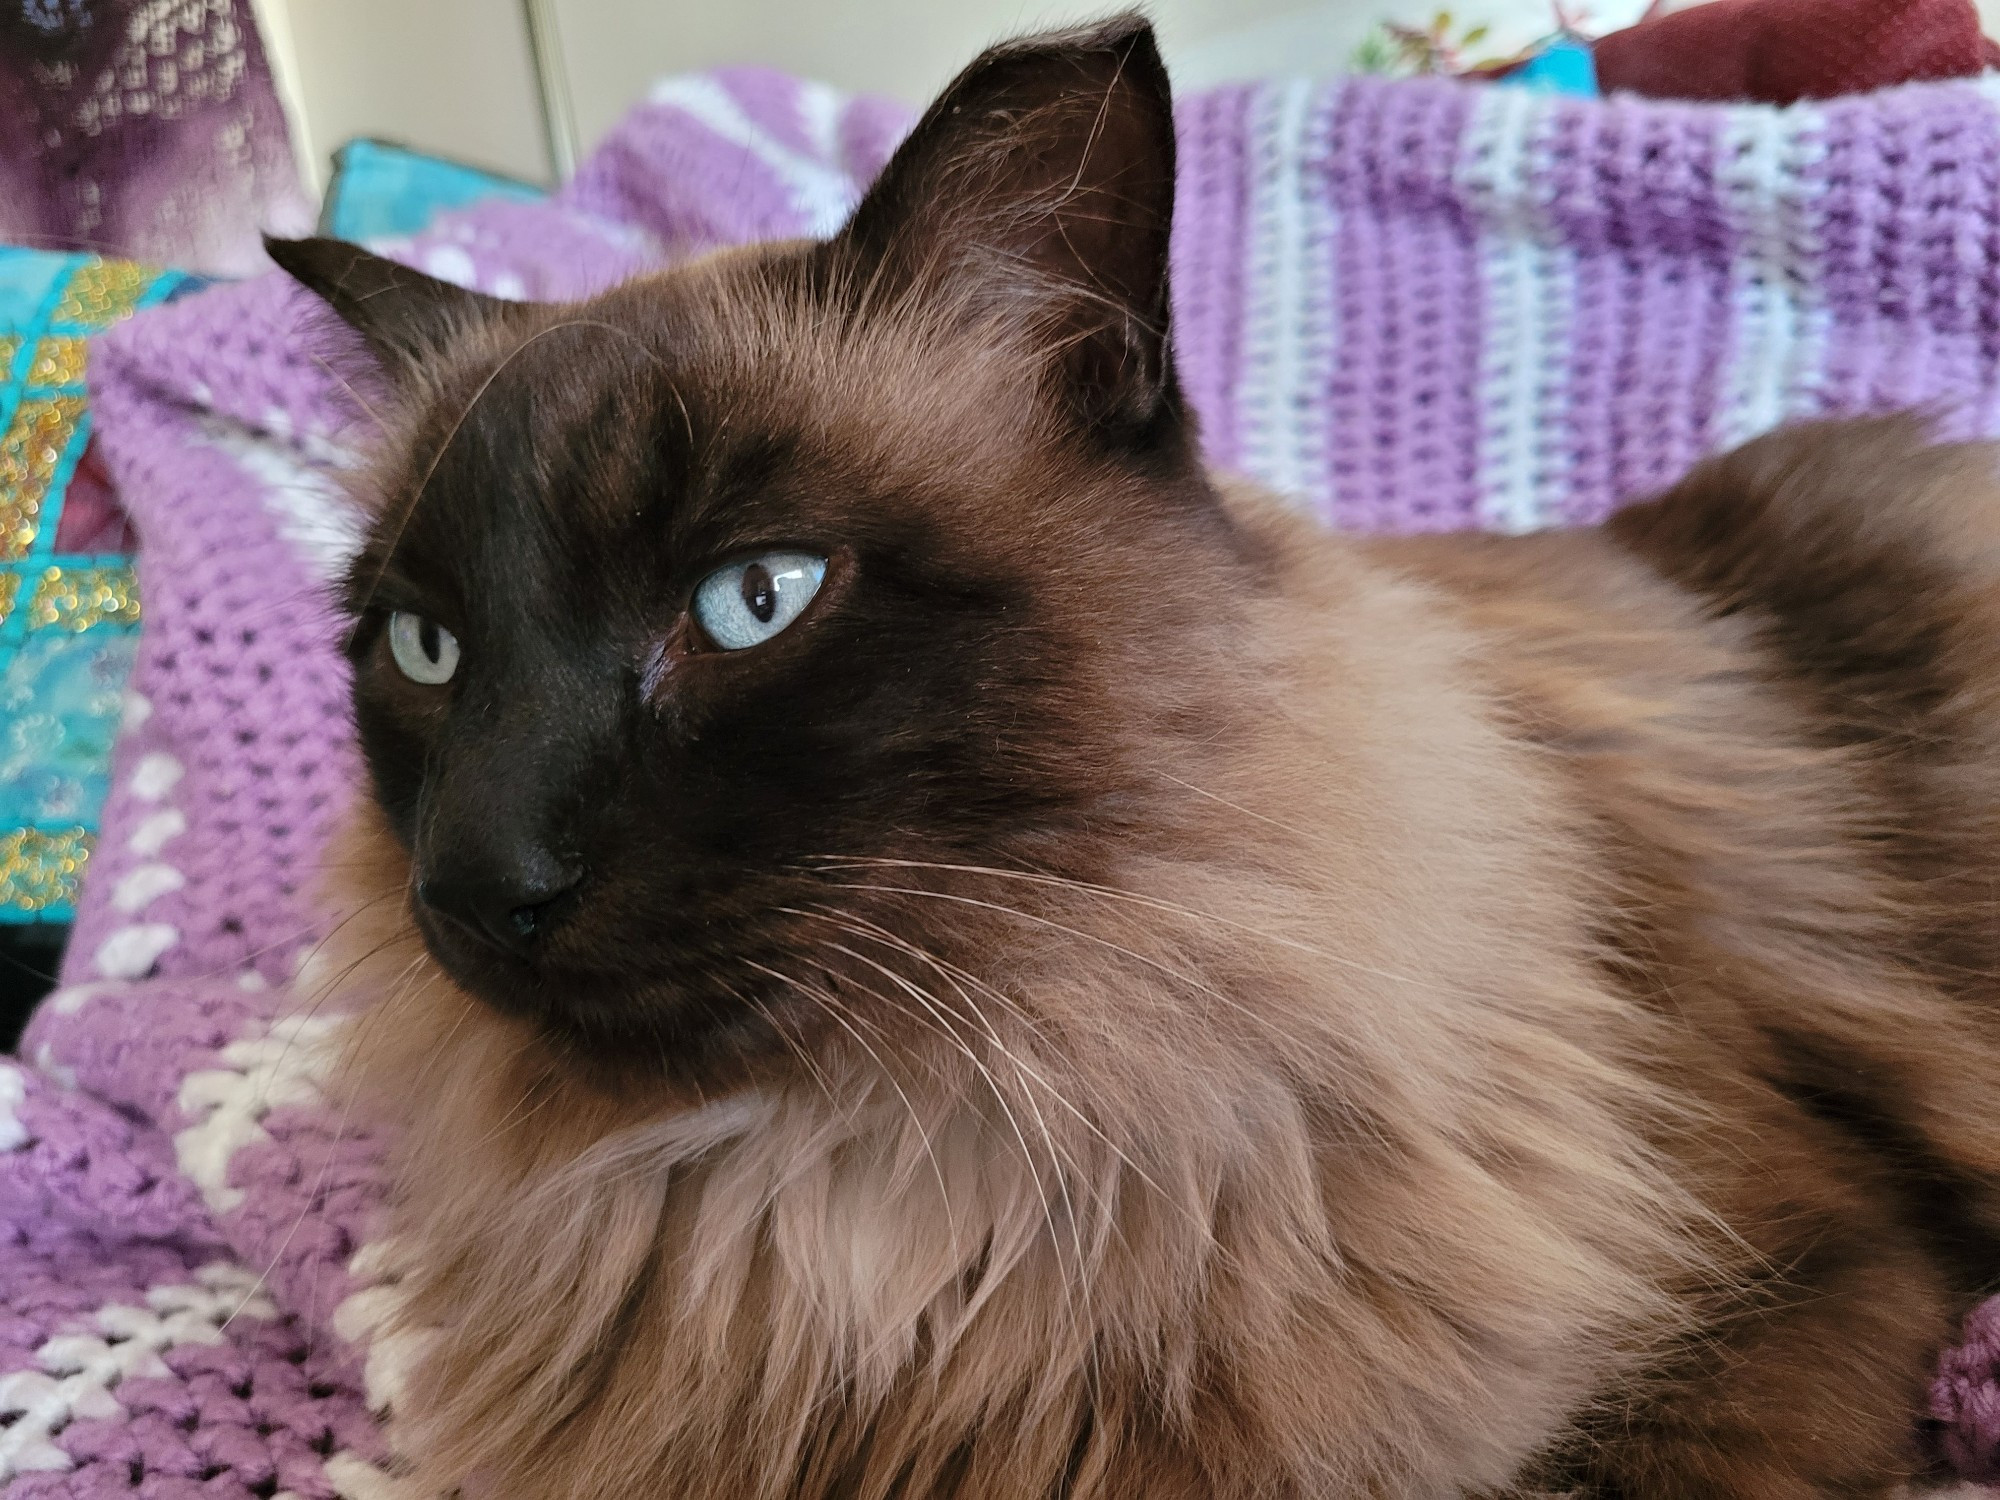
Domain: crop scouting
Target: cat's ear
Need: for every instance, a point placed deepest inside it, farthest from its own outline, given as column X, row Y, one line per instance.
column 1040, row 188
column 404, row 316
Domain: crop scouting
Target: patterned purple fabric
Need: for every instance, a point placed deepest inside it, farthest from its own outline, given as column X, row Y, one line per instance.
column 1405, row 305
column 145, row 129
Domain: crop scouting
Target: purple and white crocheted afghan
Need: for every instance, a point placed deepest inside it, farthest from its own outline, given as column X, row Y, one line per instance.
column 1404, row 304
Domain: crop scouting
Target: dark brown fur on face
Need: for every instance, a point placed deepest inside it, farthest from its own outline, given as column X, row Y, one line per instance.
column 1130, row 997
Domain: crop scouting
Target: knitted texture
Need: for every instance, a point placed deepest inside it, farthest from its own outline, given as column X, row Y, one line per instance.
column 1403, row 304
column 1781, row 51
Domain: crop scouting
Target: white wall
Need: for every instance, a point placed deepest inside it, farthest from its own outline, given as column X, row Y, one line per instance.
column 457, row 75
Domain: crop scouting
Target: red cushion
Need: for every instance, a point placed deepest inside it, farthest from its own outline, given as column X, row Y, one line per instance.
column 1776, row 51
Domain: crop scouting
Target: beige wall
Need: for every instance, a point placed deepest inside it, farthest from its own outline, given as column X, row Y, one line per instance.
column 456, row 75
column 450, row 75
column 908, row 48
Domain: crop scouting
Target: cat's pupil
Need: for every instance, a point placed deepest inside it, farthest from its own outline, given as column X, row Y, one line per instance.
column 428, row 643
column 760, row 594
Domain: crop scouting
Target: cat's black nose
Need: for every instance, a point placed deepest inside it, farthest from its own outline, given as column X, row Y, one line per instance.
column 510, row 910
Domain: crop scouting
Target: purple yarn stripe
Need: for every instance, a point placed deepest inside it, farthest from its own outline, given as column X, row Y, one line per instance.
column 70, row 1157
column 1210, row 225
column 1634, row 190
column 1910, row 254
column 1407, row 297
column 241, row 601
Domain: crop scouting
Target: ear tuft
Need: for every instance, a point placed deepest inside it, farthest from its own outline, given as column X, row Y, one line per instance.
column 405, row 316
column 1039, row 189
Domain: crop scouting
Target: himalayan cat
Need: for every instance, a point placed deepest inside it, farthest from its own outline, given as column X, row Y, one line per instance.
column 924, row 947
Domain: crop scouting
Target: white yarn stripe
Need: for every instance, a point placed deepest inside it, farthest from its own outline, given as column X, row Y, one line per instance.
column 1288, row 331
column 1778, row 322
column 1528, row 280
column 45, row 1061
column 367, row 1319
column 283, row 1066
column 356, row 1478
column 79, row 1371
column 822, row 194
column 820, row 109
column 142, row 885
column 1318, row 319
column 156, row 774
column 13, row 1095
column 156, row 831
column 314, row 514
column 72, row 998
column 130, row 952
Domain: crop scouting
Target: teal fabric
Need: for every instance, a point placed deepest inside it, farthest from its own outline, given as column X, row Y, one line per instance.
column 59, row 699
column 380, row 191
column 1564, row 66
column 29, row 283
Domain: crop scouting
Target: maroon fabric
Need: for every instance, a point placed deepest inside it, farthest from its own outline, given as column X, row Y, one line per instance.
column 1779, row 51
column 92, row 519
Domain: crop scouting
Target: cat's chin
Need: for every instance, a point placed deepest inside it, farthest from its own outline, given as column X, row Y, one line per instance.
column 616, row 1029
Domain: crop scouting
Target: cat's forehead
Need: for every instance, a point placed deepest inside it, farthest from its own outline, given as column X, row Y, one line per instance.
column 611, row 446
column 723, row 380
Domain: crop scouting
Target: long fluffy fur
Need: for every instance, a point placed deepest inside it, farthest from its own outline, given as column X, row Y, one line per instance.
column 1422, row 1098
column 1432, row 1018
column 1324, row 1163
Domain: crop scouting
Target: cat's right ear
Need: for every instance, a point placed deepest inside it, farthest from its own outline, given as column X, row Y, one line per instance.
column 404, row 316
column 1038, row 190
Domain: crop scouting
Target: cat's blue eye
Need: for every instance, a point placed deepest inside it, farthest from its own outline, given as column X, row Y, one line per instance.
column 424, row 650
column 748, row 602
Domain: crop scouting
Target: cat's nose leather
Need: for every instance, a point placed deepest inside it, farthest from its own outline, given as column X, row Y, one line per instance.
column 509, row 910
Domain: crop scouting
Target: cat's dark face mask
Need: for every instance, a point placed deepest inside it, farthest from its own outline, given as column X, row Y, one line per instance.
column 703, row 622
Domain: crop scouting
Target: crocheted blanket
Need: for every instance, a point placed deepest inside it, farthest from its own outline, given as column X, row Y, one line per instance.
column 1404, row 304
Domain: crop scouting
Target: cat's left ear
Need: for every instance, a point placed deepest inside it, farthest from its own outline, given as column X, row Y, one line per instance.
column 404, row 316
column 1039, row 190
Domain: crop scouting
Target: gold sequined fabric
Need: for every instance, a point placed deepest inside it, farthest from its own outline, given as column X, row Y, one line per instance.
column 67, row 620
column 43, row 432
column 41, row 869
column 103, row 291
column 58, row 361
column 82, row 598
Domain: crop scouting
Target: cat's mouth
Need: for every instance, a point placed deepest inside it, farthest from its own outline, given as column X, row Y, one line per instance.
column 694, row 1018
column 528, row 980
column 522, row 978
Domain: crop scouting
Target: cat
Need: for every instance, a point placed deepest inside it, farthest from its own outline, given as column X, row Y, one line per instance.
column 920, row 944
